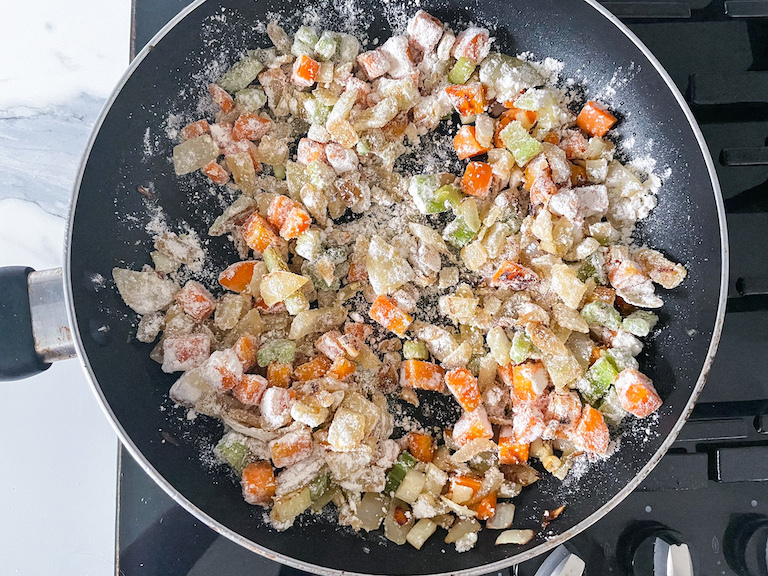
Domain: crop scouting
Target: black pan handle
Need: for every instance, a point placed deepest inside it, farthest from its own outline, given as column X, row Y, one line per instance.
column 33, row 326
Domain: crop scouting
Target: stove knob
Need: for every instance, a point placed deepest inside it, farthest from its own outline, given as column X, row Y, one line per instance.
column 745, row 544
column 651, row 548
column 671, row 559
column 561, row 562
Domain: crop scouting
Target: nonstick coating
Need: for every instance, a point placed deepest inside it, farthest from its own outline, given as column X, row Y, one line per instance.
column 107, row 230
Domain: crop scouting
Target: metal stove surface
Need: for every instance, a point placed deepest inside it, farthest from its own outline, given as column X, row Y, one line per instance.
column 710, row 492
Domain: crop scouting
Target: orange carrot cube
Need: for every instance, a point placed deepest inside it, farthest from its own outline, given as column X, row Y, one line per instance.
column 463, row 386
column 222, row 98
column 341, row 368
column 374, row 63
column 637, row 394
column 258, row 233
column 466, row 481
column 315, row 368
column 574, row 144
column 472, row 44
column 262, row 307
column 421, row 375
column 527, row 422
column 514, row 276
column 477, row 179
column 279, row 374
column 309, row 151
column 529, row 381
column 465, row 143
column 329, row 344
column 305, row 71
column 486, row 508
column 422, row 446
column 223, row 370
column 246, row 348
column 595, row 120
column 195, row 129
column 250, row 126
column 253, row 152
column 250, row 389
column 591, row 433
column 216, row 173
column 184, row 352
column 238, row 276
column 358, row 330
column 388, row 314
column 471, row 426
column 258, row 482
column 278, row 210
column 468, row 99
column 196, row 301
column 296, row 223
column 510, row 451
column 291, row 448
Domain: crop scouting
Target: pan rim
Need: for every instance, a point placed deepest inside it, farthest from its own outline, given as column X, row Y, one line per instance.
column 218, row 527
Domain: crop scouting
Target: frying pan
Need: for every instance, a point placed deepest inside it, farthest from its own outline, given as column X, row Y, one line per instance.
column 106, row 229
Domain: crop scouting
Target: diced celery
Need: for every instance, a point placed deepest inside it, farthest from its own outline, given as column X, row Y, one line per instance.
column 599, row 377
column 592, row 267
column 640, row 323
column 599, row 312
column 523, row 146
column 241, row 74
column 307, row 34
column 298, row 48
column 363, row 147
column 422, row 188
column 251, row 99
column 446, row 197
column 458, row 234
column 415, row 350
column 521, row 348
column 349, row 48
column 326, row 46
column 611, row 408
column 318, row 486
column 621, row 358
column 317, row 112
column 405, row 461
column 278, row 350
column 234, row 453
column 461, row 71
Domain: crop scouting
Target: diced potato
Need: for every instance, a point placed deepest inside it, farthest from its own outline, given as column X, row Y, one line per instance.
column 567, row 285
column 474, row 256
column 145, row 292
column 411, row 486
column 277, row 286
column 499, row 345
column 347, row 430
column 230, row 309
column 421, row 532
column 316, row 321
column 387, row 270
column 243, row 171
column 194, row 153
column 515, row 537
column 460, row 310
column 287, row 508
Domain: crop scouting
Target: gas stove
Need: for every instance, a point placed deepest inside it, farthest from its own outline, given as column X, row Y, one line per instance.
column 703, row 511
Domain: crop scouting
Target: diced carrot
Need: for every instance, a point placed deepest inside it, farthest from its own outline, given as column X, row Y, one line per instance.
column 305, row 71
column 185, row 351
column 374, row 63
column 329, row 345
column 466, row 481
column 595, row 120
column 196, row 301
column 388, row 314
column 528, row 422
column 626, row 275
column 278, row 210
column 463, row 385
column 538, row 180
column 223, row 370
column 258, row 482
column 637, row 394
column 253, row 152
column 195, row 129
column 216, row 173
column 471, row 426
column 249, row 389
column 358, row 330
column 477, row 179
column 486, row 508
column 422, row 446
column 468, row 99
column 262, row 307
column 578, row 175
column 465, row 143
column 552, row 138
column 604, row 294
column 246, row 348
column 250, row 126
column 296, row 223
column 401, row 516
column 258, row 233
column 421, row 375
column 510, row 451
column 315, row 368
column 309, row 151
column 591, row 433
column 514, row 276
column 506, row 374
column 238, row 276
column 222, row 98
column 529, row 380
column 291, row 448
column 596, row 354
column 279, row 374
column 527, row 119
column 574, row 144
column 472, row 44
column 341, row 368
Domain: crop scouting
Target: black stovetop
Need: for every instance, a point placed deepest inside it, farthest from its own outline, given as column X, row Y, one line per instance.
column 711, row 489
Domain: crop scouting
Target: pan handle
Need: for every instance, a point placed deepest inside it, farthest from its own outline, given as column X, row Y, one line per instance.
column 34, row 330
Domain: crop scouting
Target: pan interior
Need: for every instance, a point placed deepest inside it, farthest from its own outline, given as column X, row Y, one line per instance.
column 132, row 149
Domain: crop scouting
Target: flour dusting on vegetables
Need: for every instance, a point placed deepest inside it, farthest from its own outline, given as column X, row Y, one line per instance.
column 427, row 217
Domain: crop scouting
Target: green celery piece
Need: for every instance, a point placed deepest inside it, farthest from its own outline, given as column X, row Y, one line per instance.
column 251, row 99
column 415, row 350
column 241, row 74
column 318, row 486
column 599, row 312
column 279, row 171
column 523, row 146
column 458, row 234
column 592, row 267
column 640, row 323
column 307, row 35
column 326, row 46
column 396, row 475
column 235, row 453
column 521, row 348
column 317, row 112
column 278, row 350
column 422, row 188
column 611, row 408
column 349, row 48
column 446, row 197
column 600, row 377
column 363, row 147
column 586, row 271
column 298, row 48
column 461, row 71
column 621, row 358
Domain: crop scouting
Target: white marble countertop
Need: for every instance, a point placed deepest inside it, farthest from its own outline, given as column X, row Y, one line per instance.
column 58, row 453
